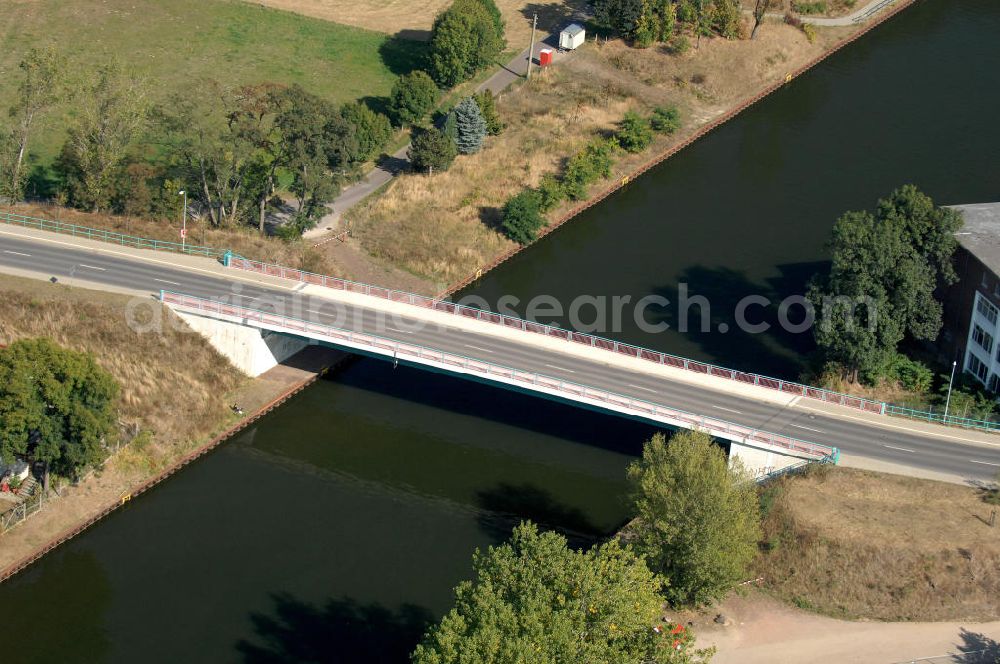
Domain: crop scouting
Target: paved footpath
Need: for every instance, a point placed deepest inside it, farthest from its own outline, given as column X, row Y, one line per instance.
column 399, row 161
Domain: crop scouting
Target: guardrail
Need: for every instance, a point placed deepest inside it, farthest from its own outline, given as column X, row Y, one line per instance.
column 108, row 236
column 512, row 322
column 497, row 372
column 935, row 418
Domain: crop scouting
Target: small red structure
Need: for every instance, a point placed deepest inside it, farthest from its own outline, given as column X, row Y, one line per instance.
column 545, row 57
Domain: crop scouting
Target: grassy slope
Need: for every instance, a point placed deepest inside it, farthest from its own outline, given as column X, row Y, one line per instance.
column 181, row 41
column 855, row 544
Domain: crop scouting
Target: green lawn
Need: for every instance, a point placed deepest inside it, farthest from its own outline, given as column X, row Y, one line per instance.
column 175, row 42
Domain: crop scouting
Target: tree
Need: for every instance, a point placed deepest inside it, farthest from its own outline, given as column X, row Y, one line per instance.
column 634, row 133
column 522, row 216
column 488, row 107
column 56, row 406
column 470, row 126
column 699, row 519
column 886, row 266
column 412, row 97
column 467, row 37
column 533, row 599
column 726, row 17
column 40, row 88
column 665, row 119
column 587, row 166
column 432, row 149
column 371, row 130
column 759, row 12
column 111, row 109
column 624, row 16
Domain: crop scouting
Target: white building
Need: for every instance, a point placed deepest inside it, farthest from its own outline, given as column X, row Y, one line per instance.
column 572, row 37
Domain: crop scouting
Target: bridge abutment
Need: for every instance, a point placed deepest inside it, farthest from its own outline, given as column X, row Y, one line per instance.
column 251, row 350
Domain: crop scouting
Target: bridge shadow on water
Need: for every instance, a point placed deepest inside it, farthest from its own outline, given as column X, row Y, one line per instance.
column 507, row 504
column 777, row 351
column 342, row 631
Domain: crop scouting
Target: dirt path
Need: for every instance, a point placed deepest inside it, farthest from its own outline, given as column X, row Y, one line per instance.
column 764, row 631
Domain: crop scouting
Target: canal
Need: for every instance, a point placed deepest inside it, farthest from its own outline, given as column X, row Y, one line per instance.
column 335, row 527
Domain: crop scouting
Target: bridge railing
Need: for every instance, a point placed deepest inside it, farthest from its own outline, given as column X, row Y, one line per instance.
column 104, row 235
column 601, row 343
column 463, row 364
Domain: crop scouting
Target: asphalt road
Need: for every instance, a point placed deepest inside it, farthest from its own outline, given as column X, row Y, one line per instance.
column 891, row 441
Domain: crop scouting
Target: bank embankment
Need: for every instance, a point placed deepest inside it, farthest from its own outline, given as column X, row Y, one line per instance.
column 175, row 388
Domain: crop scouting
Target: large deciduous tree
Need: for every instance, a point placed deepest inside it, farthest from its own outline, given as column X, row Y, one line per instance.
column 467, row 37
column 431, row 150
column 371, row 129
column 698, row 519
column 413, row 96
column 886, row 266
column 56, row 405
column 40, row 87
column 534, row 599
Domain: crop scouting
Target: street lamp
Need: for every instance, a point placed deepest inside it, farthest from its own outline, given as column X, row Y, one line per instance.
column 951, row 382
column 184, row 218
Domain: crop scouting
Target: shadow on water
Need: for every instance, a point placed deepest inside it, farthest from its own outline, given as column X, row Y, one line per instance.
column 508, row 504
column 340, row 632
column 777, row 351
column 523, row 411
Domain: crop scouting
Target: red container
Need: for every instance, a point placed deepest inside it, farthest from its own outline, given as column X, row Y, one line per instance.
column 545, row 57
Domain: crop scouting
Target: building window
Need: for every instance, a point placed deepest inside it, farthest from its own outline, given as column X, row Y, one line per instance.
column 977, row 368
column 994, row 383
column 986, row 308
column 983, row 338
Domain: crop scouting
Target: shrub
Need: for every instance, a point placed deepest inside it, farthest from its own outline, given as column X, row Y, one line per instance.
column 431, row 149
column 488, row 107
column 372, row 130
column 634, row 133
column 587, row 166
column 809, row 7
column 467, row 37
column 679, row 45
column 665, row 119
column 412, row 97
column 809, row 30
column 551, row 191
column 470, row 127
column 911, row 374
column 522, row 216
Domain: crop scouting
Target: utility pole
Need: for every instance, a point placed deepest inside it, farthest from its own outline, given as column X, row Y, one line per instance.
column 951, row 382
column 531, row 49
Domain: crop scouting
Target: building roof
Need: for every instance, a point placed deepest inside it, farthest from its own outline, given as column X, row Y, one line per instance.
column 981, row 233
column 573, row 29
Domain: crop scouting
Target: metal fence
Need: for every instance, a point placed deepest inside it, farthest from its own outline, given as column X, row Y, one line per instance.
column 108, row 236
column 20, row 512
column 518, row 377
column 512, row 322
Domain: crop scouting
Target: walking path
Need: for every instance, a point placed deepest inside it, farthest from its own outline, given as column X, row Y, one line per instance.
column 855, row 17
column 398, row 162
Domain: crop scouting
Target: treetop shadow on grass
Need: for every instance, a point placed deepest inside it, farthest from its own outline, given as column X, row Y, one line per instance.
column 402, row 55
column 341, row 631
column 554, row 16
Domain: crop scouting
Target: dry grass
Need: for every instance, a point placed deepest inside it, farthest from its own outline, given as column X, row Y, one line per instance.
column 412, row 19
column 154, row 369
column 445, row 227
column 244, row 241
column 857, row 544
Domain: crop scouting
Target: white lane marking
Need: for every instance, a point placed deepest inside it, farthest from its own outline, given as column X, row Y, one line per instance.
column 552, row 366
column 640, row 387
column 729, row 410
column 164, row 281
column 901, row 449
column 396, row 329
column 321, row 313
column 92, row 267
column 799, row 426
column 485, row 350
column 16, row 253
column 985, row 463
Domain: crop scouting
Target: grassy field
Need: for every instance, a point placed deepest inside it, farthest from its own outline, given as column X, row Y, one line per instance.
column 855, row 544
column 180, row 42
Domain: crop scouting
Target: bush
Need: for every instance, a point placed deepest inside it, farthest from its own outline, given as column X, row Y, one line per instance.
column 665, row 119
column 412, row 97
column 634, row 133
column 522, row 216
column 912, row 375
column 679, row 45
column 488, row 107
column 372, row 130
column 809, row 30
column 467, row 37
column 809, row 7
column 470, row 127
column 587, row 166
column 551, row 192
column 431, row 150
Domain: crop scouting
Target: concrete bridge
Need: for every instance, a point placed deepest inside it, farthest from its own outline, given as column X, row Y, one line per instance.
column 258, row 314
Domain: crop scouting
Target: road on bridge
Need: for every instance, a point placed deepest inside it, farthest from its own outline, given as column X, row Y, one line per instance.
column 953, row 452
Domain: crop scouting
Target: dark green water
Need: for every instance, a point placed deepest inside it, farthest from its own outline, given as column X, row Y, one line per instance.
column 335, row 528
